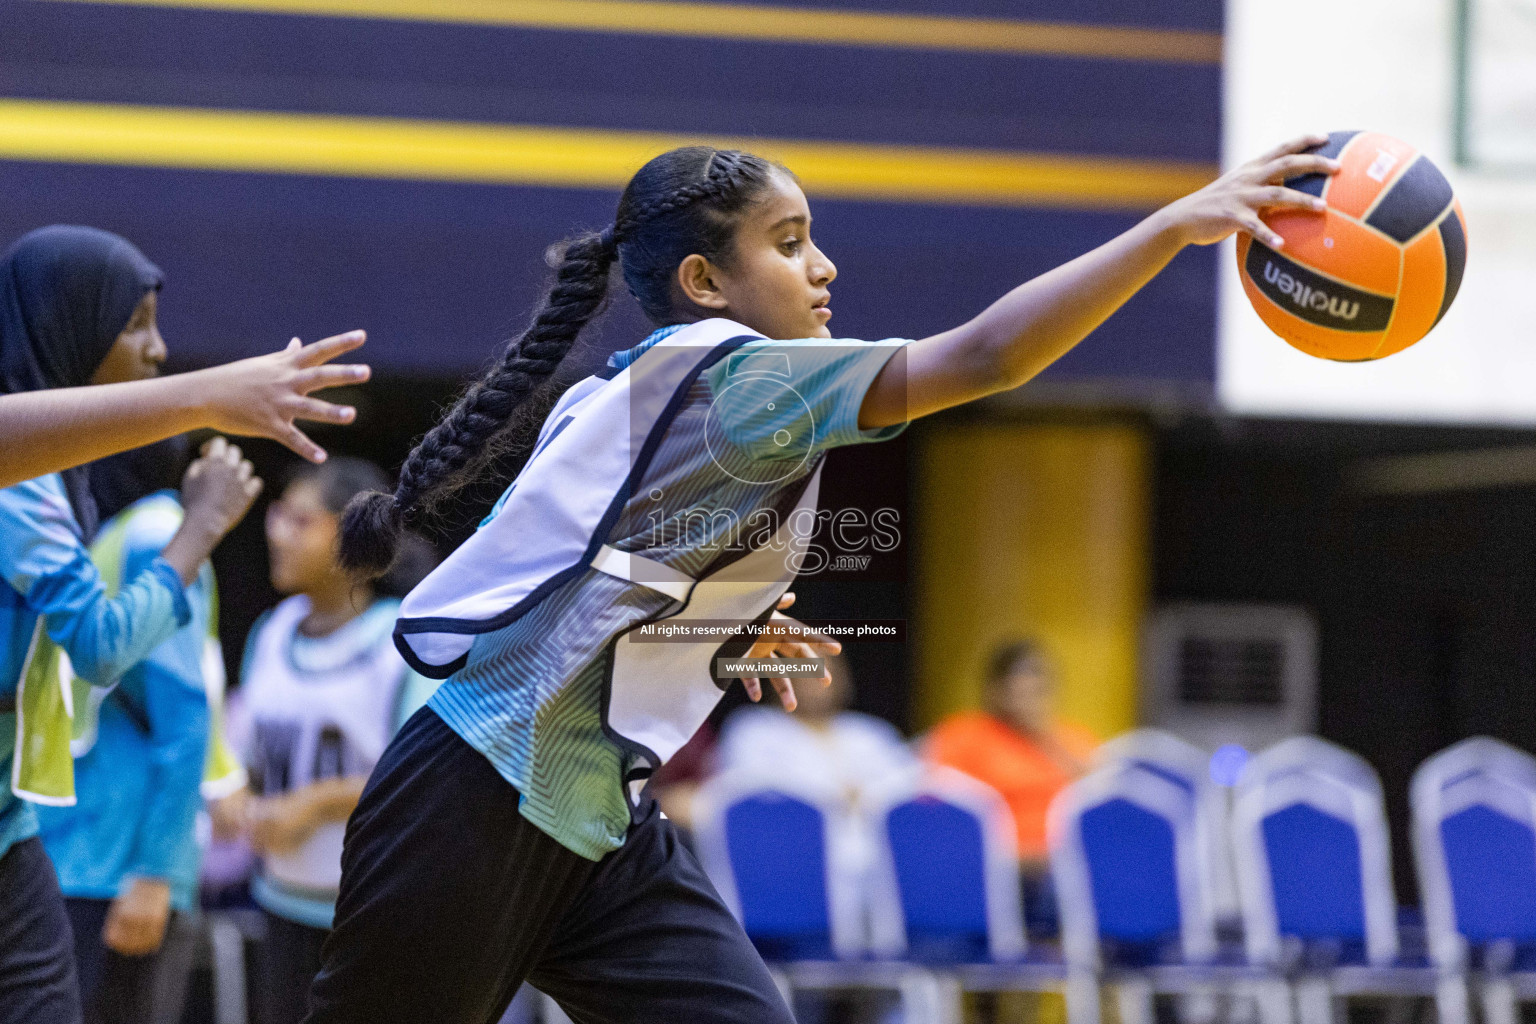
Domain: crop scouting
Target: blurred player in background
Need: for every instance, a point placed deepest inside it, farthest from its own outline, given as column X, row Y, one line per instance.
column 322, row 690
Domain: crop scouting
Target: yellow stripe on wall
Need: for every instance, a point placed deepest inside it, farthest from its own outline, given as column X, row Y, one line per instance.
column 758, row 22
column 376, row 147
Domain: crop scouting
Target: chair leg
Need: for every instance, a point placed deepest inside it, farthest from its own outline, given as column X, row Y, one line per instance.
column 1200, row 1005
column 1082, row 997
column 1133, row 998
column 929, row 998
column 951, row 999
column 1273, row 996
column 1451, row 1000
column 1499, row 1001
column 1314, row 1001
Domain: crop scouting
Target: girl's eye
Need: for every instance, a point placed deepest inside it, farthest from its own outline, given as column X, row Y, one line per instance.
column 790, row 245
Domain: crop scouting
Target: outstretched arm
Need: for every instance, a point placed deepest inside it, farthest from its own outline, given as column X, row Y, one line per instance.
column 49, row 431
column 1038, row 322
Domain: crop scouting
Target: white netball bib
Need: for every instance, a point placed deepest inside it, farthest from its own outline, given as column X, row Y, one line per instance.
column 659, row 693
column 312, row 725
column 591, row 456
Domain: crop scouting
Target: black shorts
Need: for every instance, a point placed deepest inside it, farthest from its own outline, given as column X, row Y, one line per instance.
column 118, row 989
column 450, row 899
column 37, row 956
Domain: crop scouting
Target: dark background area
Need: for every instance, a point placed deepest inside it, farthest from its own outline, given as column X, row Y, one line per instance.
column 1425, row 602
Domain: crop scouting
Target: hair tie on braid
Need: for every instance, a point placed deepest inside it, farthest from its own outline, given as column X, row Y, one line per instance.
column 372, row 524
column 609, row 239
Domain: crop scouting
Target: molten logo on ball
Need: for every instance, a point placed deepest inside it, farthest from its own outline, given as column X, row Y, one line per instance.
column 1309, row 297
column 1313, row 297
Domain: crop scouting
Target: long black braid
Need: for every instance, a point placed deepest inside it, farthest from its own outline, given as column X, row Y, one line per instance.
column 683, row 202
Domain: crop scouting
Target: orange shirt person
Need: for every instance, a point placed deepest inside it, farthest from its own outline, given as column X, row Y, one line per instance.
column 1015, row 745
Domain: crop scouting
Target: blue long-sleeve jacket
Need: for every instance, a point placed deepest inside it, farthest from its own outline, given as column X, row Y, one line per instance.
column 48, row 573
column 137, row 789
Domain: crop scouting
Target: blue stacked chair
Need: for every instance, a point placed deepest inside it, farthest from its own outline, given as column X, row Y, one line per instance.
column 771, row 846
column 1314, row 868
column 1133, row 879
column 1474, row 830
column 945, row 892
column 1188, row 766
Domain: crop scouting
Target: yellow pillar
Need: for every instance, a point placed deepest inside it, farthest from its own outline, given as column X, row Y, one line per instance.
column 1032, row 530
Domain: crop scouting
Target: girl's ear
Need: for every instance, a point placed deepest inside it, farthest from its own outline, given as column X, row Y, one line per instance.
column 699, row 282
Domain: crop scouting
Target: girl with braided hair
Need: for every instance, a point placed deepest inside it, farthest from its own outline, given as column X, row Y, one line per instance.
column 502, row 836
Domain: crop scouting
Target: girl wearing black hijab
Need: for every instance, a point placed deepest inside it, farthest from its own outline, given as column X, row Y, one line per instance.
column 77, row 306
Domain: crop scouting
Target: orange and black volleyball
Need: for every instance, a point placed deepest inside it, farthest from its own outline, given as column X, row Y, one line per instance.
column 1373, row 273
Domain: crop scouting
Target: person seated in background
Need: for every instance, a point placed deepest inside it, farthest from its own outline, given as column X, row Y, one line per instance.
column 821, row 738
column 322, row 691
column 126, row 852
column 1016, row 745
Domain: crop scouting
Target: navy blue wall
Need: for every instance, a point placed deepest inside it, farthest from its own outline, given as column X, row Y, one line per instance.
column 439, row 272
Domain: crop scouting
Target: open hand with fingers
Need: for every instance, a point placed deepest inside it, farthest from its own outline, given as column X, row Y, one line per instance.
column 1234, row 201
column 814, row 646
column 263, row 395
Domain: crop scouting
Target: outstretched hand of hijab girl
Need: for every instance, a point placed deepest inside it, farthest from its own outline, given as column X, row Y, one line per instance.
column 262, row 396
column 70, row 401
column 814, row 646
column 50, row 431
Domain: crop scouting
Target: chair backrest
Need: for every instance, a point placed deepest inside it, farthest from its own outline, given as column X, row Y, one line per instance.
column 1313, row 857
column 1474, row 842
column 1128, row 861
column 1162, row 752
column 946, row 881
column 767, row 843
column 1187, row 765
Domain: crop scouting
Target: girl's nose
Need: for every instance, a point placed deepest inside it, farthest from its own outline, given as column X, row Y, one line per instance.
column 823, row 270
